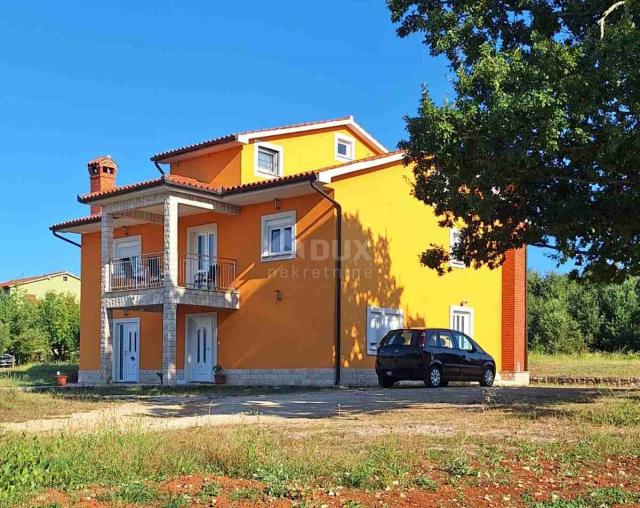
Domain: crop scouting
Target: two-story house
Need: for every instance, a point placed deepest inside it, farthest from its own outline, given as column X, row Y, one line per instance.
column 281, row 254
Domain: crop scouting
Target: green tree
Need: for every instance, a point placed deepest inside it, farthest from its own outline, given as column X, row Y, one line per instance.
column 540, row 144
column 59, row 316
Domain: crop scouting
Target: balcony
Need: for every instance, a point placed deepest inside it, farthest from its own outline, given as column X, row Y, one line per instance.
column 139, row 281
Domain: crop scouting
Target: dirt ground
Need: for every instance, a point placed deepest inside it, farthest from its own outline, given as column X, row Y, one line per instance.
column 406, row 409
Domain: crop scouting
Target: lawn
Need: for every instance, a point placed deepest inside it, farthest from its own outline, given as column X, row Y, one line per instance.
column 585, row 365
column 534, row 448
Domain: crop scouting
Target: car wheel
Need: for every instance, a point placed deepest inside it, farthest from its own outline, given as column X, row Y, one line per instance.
column 386, row 382
column 487, row 377
column 434, row 377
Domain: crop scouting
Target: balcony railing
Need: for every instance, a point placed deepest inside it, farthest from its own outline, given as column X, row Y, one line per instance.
column 137, row 272
column 194, row 272
column 206, row 272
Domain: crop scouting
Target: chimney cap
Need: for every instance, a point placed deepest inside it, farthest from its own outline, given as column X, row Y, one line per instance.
column 103, row 163
column 102, row 160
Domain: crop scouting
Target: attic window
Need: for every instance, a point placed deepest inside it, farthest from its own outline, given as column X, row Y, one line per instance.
column 268, row 160
column 345, row 147
column 65, row 278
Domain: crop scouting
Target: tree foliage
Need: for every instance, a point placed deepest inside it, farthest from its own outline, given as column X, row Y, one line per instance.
column 540, row 144
column 566, row 316
column 39, row 330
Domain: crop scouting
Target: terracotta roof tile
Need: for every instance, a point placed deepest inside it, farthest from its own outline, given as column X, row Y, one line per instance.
column 24, row 280
column 76, row 222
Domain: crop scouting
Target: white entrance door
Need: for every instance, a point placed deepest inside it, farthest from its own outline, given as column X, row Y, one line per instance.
column 127, row 351
column 203, row 246
column 462, row 320
column 200, row 348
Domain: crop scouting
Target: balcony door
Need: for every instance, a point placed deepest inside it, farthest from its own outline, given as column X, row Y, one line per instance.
column 200, row 348
column 126, row 350
column 201, row 257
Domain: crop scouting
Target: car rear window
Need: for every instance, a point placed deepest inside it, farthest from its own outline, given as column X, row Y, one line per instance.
column 446, row 341
column 397, row 338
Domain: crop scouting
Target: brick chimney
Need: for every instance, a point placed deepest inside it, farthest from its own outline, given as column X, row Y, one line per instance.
column 514, row 311
column 102, row 176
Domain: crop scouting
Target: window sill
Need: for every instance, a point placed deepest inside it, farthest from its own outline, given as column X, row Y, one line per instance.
column 277, row 257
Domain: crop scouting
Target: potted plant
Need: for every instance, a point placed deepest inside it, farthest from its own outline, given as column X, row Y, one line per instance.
column 61, row 379
column 219, row 376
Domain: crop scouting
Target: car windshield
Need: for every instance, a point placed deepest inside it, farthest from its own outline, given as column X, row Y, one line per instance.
column 397, row 338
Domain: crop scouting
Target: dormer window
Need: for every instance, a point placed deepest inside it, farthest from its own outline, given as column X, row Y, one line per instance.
column 345, row 147
column 268, row 160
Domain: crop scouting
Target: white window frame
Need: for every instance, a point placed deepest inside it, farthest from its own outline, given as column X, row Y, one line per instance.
column 269, row 146
column 467, row 310
column 371, row 351
column 349, row 140
column 454, row 262
column 281, row 220
column 125, row 239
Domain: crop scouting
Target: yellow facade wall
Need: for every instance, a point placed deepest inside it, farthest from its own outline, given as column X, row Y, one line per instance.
column 56, row 283
column 380, row 213
column 304, row 152
column 301, row 152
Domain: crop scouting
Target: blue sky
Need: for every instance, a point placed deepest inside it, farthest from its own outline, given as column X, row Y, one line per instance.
column 129, row 79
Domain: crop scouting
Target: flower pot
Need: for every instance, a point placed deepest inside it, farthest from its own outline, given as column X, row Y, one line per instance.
column 220, row 379
column 61, row 379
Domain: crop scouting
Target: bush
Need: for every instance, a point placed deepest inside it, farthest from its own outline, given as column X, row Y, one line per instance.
column 567, row 316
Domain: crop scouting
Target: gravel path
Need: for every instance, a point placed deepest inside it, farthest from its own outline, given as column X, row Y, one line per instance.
column 172, row 412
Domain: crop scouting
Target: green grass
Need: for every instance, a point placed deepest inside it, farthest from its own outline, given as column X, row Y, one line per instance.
column 36, row 374
column 126, row 464
column 585, row 365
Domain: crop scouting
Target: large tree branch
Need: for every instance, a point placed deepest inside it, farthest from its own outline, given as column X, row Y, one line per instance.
column 602, row 20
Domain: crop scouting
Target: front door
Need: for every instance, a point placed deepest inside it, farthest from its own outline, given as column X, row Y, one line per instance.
column 201, row 348
column 127, row 351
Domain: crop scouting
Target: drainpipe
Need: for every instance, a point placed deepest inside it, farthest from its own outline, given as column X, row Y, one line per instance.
column 159, row 168
column 58, row 235
column 338, row 275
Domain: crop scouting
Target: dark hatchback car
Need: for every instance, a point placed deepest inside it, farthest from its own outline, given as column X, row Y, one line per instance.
column 435, row 356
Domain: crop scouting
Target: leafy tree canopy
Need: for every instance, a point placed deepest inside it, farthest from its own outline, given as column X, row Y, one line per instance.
column 541, row 143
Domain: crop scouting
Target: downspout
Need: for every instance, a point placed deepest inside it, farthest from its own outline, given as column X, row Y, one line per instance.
column 338, row 275
column 159, row 168
column 58, row 235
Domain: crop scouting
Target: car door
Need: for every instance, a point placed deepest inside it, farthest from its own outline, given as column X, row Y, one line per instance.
column 448, row 355
column 471, row 363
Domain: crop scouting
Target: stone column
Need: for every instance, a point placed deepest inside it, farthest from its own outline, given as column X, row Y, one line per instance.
column 170, row 305
column 106, row 315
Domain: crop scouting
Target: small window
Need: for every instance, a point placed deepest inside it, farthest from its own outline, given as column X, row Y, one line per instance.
column 268, row 160
column 345, row 148
column 381, row 321
column 463, row 342
column 454, row 239
column 279, row 236
column 433, row 339
column 398, row 338
column 65, row 278
column 445, row 340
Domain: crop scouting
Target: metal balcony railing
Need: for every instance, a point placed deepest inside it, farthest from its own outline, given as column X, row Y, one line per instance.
column 136, row 272
column 206, row 272
column 194, row 272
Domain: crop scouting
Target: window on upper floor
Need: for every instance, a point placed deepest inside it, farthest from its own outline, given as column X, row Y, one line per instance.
column 345, row 147
column 268, row 160
column 279, row 236
column 454, row 239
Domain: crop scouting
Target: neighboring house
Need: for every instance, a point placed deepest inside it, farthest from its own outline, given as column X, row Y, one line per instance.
column 227, row 258
column 38, row 285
